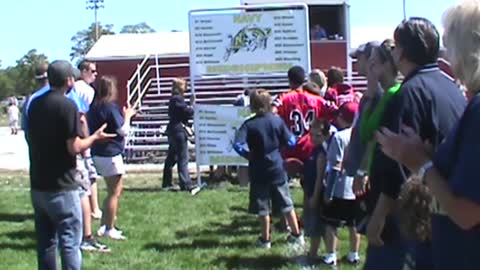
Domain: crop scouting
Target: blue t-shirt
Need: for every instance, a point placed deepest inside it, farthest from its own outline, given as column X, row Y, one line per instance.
column 72, row 95
column 457, row 161
column 265, row 135
column 110, row 113
column 310, row 170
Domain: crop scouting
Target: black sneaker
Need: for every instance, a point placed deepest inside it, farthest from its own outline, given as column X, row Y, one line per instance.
column 262, row 243
column 92, row 245
column 171, row 188
column 298, row 240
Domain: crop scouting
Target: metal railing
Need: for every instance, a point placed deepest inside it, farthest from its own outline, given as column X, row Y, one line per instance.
column 135, row 81
column 147, row 133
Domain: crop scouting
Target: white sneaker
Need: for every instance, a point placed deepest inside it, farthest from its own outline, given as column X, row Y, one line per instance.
column 115, row 234
column 330, row 259
column 353, row 258
column 103, row 228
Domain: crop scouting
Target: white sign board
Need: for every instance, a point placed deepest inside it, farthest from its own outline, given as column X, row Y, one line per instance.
column 215, row 129
column 247, row 42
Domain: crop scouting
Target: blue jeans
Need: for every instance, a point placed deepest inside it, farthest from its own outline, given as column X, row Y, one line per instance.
column 177, row 154
column 58, row 220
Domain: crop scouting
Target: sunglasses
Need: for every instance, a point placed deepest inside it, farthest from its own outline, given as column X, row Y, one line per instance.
column 93, row 71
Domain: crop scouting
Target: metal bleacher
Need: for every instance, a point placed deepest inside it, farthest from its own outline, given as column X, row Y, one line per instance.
column 147, row 141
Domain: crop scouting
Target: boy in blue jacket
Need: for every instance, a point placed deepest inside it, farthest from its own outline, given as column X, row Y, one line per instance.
column 259, row 140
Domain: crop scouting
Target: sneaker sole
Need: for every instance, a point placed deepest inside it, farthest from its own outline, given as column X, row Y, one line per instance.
column 116, row 239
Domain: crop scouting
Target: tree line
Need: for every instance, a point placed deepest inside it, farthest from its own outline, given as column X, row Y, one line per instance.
column 19, row 80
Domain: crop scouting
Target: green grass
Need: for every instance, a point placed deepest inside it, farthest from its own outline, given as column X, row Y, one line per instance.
column 165, row 230
column 3, row 120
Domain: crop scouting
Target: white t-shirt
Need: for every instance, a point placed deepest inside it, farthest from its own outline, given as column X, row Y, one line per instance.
column 12, row 112
column 85, row 92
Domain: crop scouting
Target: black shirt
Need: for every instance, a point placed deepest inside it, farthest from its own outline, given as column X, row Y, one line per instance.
column 179, row 113
column 431, row 104
column 53, row 119
column 265, row 135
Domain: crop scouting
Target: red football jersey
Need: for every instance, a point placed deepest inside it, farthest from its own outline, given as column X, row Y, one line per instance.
column 298, row 108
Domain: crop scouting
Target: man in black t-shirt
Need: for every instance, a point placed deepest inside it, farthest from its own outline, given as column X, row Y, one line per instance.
column 54, row 136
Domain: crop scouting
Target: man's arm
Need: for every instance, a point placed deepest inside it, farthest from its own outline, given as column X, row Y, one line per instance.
column 77, row 145
column 455, row 159
column 468, row 217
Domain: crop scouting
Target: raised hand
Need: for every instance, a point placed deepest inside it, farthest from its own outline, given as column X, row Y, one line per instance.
column 100, row 134
column 128, row 111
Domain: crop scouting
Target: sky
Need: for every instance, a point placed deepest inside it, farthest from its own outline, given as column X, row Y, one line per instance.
column 48, row 25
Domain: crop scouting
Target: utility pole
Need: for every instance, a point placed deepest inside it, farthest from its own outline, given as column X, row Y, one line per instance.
column 95, row 5
column 404, row 10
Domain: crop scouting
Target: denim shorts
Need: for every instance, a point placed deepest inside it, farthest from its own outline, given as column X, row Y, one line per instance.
column 262, row 194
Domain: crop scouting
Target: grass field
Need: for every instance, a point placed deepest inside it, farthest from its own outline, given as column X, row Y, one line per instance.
column 3, row 120
column 165, row 230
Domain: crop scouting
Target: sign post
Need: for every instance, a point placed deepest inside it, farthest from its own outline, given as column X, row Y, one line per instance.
column 240, row 42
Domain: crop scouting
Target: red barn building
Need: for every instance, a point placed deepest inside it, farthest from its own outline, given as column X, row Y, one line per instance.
column 144, row 65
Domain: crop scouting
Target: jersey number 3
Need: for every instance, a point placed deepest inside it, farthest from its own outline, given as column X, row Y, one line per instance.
column 301, row 122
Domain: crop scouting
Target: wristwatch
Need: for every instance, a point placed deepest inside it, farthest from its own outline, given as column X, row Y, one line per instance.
column 423, row 170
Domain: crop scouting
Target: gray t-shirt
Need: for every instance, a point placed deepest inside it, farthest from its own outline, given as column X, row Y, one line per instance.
column 341, row 187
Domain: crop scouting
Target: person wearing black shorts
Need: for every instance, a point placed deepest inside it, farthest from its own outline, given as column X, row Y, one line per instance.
column 340, row 205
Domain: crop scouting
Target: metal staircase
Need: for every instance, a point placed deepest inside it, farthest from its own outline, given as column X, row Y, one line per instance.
column 149, row 92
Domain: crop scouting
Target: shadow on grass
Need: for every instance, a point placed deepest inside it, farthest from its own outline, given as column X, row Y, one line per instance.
column 9, row 217
column 257, row 262
column 144, row 189
column 21, row 235
column 241, row 225
column 198, row 244
column 17, row 247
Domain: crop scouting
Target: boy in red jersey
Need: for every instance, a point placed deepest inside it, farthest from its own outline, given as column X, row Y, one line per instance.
column 298, row 108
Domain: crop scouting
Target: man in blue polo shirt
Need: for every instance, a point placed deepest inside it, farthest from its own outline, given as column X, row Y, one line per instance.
column 54, row 138
column 89, row 242
column 43, row 86
column 430, row 103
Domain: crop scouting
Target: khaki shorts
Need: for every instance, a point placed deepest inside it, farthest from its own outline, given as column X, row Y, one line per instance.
column 82, row 176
